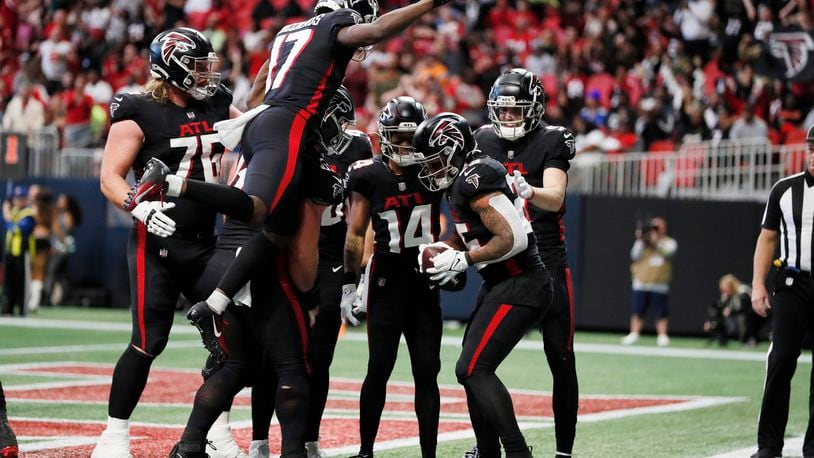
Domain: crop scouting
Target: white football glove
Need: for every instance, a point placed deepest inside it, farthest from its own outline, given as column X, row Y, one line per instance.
column 359, row 306
column 151, row 214
column 423, row 247
column 446, row 265
column 349, row 297
column 523, row 188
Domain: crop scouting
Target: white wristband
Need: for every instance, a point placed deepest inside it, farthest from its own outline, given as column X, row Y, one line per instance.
column 174, row 184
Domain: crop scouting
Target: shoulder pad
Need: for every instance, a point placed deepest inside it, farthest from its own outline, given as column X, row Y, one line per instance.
column 125, row 106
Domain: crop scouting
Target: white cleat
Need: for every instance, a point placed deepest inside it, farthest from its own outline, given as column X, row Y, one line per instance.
column 259, row 449
column 113, row 444
column 662, row 340
column 630, row 339
column 222, row 443
column 312, row 450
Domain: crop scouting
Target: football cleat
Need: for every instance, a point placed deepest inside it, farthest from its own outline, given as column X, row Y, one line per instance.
column 312, row 450
column 189, row 450
column 150, row 186
column 8, row 441
column 473, row 453
column 220, row 439
column 113, row 443
column 203, row 318
column 259, row 449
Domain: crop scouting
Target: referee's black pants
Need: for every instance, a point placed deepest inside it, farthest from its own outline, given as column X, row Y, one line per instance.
column 793, row 317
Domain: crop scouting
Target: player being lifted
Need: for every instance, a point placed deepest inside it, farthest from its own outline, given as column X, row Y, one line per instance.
column 398, row 300
column 538, row 156
column 494, row 236
column 170, row 243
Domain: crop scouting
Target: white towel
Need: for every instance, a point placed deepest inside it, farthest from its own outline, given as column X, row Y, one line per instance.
column 230, row 131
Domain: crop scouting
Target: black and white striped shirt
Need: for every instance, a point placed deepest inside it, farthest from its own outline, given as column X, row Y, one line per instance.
column 791, row 211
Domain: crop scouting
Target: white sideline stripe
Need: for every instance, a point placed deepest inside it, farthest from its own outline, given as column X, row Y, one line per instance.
column 57, row 442
column 118, row 346
column 526, row 344
column 794, row 444
column 45, row 323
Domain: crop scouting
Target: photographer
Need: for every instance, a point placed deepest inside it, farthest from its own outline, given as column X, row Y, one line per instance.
column 731, row 315
column 651, row 271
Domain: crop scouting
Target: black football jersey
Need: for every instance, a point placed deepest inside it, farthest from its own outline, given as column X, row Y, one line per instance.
column 481, row 176
column 333, row 227
column 544, row 147
column 307, row 63
column 404, row 213
column 183, row 138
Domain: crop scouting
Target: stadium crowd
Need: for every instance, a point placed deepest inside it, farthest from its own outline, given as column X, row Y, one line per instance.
column 624, row 75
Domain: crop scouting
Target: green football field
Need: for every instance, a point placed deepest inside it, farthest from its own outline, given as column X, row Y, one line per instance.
column 690, row 399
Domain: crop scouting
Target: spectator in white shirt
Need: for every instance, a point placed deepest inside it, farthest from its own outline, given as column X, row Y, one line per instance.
column 98, row 89
column 24, row 113
column 749, row 126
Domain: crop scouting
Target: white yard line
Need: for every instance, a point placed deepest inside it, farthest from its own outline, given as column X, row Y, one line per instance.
column 526, row 344
column 793, row 448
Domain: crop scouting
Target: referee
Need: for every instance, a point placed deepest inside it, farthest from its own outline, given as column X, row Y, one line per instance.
column 789, row 222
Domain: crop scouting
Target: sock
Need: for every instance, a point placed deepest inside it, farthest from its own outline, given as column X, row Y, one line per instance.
column 212, row 398
column 117, row 424
column 292, row 412
column 221, row 425
column 264, row 396
column 129, row 379
column 228, row 200
column 256, row 250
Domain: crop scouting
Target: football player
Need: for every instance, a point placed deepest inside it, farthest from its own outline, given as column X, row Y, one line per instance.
column 495, row 237
column 343, row 146
column 538, row 155
column 170, row 242
column 306, row 65
column 272, row 335
column 399, row 300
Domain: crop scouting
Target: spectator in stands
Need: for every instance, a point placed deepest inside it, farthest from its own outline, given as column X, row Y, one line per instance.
column 68, row 218
column 55, row 54
column 695, row 21
column 77, row 108
column 651, row 271
column 24, row 113
column 692, row 127
column 98, row 89
column 749, row 126
column 593, row 112
column 19, row 218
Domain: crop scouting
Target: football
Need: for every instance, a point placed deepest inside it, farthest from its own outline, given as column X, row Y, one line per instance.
column 457, row 283
column 429, row 253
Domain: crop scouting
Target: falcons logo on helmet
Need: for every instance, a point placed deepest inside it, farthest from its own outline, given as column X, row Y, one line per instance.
column 172, row 42
column 793, row 49
column 446, row 132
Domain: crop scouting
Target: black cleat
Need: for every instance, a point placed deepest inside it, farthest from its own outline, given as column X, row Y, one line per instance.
column 150, row 186
column 8, row 441
column 189, row 450
column 203, row 318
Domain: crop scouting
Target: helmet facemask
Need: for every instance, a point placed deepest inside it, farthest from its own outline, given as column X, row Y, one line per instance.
column 203, row 79
column 397, row 144
column 513, row 118
column 437, row 172
column 335, row 139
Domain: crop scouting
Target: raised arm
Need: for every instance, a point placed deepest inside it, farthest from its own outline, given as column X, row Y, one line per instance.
column 386, row 26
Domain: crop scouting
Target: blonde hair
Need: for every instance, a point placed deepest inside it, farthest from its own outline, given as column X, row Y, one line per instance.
column 731, row 280
column 158, row 90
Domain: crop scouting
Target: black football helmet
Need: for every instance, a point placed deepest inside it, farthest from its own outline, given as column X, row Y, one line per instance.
column 519, row 92
column 184, row 57
column 338, row 116
column 445, row 141
column 368, row 9
column 401, row 115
